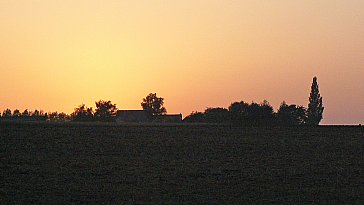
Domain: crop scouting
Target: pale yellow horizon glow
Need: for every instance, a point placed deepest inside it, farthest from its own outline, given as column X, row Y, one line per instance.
column 58, row 54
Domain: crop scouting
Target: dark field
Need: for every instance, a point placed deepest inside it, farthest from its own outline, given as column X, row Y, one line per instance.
column 43, row 163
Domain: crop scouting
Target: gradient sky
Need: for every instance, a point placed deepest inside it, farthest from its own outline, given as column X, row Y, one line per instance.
column 57, row 54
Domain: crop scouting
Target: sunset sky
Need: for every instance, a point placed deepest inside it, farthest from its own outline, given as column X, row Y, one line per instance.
column 58, row 54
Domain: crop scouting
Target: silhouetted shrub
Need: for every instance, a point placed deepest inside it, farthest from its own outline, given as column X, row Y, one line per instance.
column 290, row 115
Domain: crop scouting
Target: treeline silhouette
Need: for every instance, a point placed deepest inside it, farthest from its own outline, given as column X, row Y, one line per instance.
column 238, row 113
column 105, row 112
column 27, row 115
column 262, row 114
column 253, row 114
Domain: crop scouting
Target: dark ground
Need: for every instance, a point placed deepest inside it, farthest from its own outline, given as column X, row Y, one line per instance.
column 43, row 163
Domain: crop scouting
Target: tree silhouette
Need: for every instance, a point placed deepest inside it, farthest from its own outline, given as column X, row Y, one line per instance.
column 36, row 113
column 105, row 111
column 59, row 117
column 25, row 113
column 82, row 113
column 315, row 106
column 217, row 115
column 153, row 105
column 290, row 115
column 238, row 111
column 53, row 116
column 7, row 113
column 259, row 114
column 39, row 115
column 16, row 113
column 62, row 116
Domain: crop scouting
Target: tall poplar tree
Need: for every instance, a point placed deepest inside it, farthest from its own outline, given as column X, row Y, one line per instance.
column 315, row 107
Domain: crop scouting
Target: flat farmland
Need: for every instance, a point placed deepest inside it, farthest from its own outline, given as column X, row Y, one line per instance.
column 46, row 163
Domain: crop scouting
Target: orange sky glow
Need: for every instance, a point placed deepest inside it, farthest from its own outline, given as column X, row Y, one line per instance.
column 58, row 54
